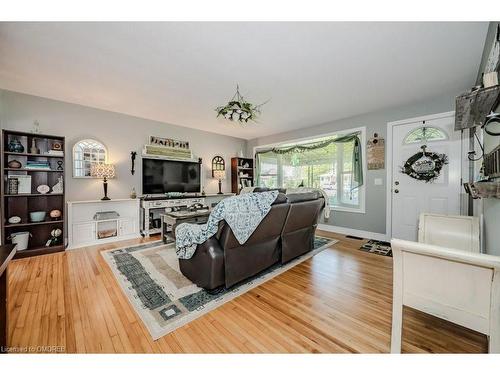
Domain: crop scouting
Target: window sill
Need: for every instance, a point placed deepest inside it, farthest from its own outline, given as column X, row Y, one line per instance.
column 347, row 209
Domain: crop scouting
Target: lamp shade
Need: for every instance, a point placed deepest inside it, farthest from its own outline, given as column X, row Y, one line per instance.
column 219, row 174
column 102, row 170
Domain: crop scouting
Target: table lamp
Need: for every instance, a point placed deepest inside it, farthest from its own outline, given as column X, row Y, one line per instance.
column 104, row 171
column 219, row 175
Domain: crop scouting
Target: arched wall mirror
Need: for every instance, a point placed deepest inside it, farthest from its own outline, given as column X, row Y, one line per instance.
column 85, row 153
column 218, row 164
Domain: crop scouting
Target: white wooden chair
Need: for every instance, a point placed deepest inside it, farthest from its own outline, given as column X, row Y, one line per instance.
column 455, row 232
column 461, row 287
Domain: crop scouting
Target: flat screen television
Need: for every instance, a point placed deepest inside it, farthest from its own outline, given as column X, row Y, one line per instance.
column 170, row 176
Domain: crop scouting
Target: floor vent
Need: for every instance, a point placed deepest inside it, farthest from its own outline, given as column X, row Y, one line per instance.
column 354, row 237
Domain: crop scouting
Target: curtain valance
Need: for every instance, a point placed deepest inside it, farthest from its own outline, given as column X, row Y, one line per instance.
column 357, row 163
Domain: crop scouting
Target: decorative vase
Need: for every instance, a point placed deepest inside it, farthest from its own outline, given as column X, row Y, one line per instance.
column 58, row 188
column 14, row 164
column 15, row 146
column 34, row 149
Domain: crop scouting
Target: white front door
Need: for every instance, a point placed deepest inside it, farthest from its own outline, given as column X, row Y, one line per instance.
column 411, row 196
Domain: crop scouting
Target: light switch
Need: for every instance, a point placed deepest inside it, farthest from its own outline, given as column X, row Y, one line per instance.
column 377, row 181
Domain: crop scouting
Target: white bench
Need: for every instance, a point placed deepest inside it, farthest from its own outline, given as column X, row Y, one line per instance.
column 458, row 286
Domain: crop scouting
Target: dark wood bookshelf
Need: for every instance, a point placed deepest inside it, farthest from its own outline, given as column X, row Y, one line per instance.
column 22, row 204
column 245, row 166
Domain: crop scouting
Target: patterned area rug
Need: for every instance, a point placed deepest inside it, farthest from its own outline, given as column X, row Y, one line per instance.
column 165, row 300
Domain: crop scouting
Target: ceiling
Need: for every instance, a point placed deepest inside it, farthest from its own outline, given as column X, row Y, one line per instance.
column 178, row 73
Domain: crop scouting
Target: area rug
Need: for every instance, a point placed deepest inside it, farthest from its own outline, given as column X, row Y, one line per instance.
column 165, row 300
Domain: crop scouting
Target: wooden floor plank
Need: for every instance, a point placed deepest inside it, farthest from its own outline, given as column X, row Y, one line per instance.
column 338, row 301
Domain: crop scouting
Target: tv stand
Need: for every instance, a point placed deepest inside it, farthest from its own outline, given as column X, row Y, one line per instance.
column 154, row 206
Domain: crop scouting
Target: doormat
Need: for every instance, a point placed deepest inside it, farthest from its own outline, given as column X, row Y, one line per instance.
column 377, row 247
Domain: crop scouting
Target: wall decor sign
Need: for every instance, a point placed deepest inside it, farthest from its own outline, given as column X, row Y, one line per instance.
column 168, row 142
column 375, row 153
column 425, row 166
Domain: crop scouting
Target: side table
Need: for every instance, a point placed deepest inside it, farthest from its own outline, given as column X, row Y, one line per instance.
column 170, row 220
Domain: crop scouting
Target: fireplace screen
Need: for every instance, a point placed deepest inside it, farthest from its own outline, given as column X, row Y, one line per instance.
column 107, row 229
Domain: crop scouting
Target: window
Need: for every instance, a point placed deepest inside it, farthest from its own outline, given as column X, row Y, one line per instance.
column 329, row 168
column 425, row 134
column 86, row 153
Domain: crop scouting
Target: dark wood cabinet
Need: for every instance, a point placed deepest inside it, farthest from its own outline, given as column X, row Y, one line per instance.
column 49, row 150
column 242, row 174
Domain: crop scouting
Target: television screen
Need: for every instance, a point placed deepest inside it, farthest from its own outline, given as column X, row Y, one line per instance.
column 170, row 176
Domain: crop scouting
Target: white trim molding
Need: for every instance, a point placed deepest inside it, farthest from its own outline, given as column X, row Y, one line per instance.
column 353, row 232
column 390, row 126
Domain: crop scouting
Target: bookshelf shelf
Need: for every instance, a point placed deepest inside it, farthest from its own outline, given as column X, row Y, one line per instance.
column 22, row 204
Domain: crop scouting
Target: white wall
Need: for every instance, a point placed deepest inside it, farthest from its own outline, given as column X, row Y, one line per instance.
column 376, row 122
column 120, row 133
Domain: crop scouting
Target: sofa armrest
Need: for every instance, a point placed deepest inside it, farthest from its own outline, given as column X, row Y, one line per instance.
column 206, row 266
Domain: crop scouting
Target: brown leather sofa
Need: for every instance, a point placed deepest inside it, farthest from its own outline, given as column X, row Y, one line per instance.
column 286, row 232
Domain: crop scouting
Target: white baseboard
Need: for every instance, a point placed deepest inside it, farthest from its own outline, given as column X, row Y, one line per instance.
column 353, row 232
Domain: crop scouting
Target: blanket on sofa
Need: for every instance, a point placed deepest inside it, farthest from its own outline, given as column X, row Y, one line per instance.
column 243, row 213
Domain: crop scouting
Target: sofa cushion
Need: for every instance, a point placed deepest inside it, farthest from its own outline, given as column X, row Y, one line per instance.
column 262, row 189
column 303, row 197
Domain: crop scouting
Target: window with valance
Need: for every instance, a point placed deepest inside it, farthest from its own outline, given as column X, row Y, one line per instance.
column 332, row 163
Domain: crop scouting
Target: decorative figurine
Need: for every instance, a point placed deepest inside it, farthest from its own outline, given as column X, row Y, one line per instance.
column 55, row 238
column 58, row 188
column 55, row 214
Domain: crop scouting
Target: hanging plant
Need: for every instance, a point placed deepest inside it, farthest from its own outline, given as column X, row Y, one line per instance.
column 425, row 166
column 239, row 110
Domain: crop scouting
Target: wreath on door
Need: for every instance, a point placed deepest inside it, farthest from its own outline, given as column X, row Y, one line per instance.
column 424, row 166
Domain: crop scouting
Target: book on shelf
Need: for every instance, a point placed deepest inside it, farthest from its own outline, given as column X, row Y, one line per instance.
column 38, row 165
column 54, row 152
column 38, row 168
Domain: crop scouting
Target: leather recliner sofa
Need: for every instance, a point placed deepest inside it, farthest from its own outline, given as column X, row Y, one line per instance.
column 286, row 232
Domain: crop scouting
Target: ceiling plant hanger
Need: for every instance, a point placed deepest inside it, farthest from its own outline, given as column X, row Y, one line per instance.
column 239, row 110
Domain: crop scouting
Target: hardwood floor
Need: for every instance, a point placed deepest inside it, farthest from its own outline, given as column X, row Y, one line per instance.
column 338, row 301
